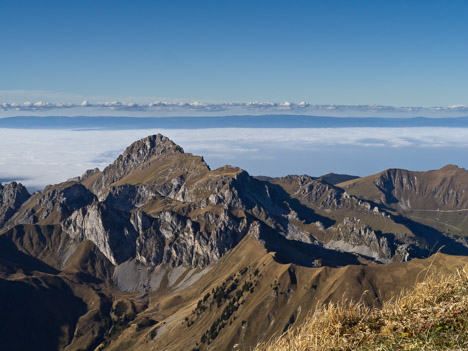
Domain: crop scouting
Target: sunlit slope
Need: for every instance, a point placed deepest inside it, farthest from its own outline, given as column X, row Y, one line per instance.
column 431, row 316
column 247, row 297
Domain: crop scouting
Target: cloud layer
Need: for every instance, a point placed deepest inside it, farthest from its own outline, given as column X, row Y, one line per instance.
column 161, row 108
column 41, row 157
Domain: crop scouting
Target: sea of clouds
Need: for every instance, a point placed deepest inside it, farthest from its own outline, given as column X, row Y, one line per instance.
column 40, row 157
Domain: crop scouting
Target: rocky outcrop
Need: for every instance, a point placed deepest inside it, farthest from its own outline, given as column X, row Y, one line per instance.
column 325, row 197
column 53, row 204
column 165, row 237
column 127, row 197
column 108, row 228
column 353, row 235
column 177, row 240
column 12, row 197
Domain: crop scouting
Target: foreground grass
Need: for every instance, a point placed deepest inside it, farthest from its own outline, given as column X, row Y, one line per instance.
column 432, row 316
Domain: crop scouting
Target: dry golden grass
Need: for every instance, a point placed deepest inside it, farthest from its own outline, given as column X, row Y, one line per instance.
column 432, row 316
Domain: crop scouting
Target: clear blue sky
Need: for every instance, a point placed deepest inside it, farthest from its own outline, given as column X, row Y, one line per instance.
column 324, row 52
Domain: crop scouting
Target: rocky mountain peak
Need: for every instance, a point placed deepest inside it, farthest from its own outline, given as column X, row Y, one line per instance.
column 142, row 151
column 12, row 196
column 153, row 145
column 137, row 155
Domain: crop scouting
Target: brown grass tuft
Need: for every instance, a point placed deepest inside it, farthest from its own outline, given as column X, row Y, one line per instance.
column 432, row 316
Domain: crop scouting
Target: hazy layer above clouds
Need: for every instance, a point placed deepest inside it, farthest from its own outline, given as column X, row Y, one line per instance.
column 246, row 121
column 41, row 157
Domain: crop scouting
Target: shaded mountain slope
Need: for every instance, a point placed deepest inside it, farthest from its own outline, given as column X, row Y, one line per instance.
column 334, row 178
column 38, row 311
column 46, row 308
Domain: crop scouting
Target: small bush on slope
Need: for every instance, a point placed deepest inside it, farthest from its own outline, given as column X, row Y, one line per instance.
column 433, row 316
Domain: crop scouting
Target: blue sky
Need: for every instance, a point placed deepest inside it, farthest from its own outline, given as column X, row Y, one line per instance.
column 401, row 53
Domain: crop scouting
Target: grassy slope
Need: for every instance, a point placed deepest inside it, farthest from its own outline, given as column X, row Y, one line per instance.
column 282, row 294
column 431, row 316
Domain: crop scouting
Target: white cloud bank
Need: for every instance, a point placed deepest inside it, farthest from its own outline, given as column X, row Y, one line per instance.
column 161, row 108
column 41, row 157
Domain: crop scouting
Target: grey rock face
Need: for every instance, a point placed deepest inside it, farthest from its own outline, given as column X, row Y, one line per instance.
column 353, row 235
column 12, row 197
column 67, row 199
column 58, row 200
column 177, row 240
column 166, row 237
column 127, row 197
column 108, row 228
column 327, row 196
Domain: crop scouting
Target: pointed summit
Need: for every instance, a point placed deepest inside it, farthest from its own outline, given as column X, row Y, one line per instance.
column 138, row 155
column 153, row 145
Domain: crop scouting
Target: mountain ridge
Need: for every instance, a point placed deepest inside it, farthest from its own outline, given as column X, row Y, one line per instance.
column 155, row 172
column 158, row 248
column 438, row 198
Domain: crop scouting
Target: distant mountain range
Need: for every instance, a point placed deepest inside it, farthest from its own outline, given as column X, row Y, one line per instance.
column 158, row 251
column 196, row 108
column 263, row 121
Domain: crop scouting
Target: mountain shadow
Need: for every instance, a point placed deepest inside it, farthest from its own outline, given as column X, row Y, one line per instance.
column 303, row 254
